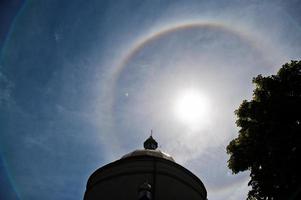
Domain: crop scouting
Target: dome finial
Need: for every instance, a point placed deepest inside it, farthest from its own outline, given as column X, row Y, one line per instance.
column 150, row 143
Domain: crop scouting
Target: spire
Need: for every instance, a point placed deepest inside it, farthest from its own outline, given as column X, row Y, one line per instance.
column 150, row 143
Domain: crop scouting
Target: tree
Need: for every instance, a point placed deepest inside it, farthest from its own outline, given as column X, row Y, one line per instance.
column 269, row 139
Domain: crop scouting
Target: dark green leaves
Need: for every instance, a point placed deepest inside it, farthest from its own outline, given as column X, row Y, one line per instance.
column 269, row 137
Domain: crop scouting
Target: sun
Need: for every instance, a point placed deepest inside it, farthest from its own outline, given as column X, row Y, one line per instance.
column 192, row 107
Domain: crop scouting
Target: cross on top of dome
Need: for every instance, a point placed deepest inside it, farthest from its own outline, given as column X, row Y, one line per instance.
column 150, row 143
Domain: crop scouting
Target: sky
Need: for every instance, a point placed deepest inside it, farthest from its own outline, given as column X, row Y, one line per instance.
column 83, row 83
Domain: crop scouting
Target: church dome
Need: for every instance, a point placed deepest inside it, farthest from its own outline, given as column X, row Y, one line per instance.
column 144, row 174
column 150, row 149
column 148, row 152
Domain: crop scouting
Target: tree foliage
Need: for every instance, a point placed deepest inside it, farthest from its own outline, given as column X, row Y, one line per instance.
column 269, row 137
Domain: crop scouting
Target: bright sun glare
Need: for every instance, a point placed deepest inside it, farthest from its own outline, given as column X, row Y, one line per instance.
column 192, row 108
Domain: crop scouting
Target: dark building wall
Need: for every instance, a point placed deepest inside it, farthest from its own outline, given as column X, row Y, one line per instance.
column 122, row 179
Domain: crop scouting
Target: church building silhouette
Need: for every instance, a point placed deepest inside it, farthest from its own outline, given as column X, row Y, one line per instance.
column 144, row 174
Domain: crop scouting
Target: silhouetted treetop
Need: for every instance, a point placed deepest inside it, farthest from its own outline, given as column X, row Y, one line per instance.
column 269, row 138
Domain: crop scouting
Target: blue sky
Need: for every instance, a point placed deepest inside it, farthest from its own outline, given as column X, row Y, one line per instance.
column 83, row 83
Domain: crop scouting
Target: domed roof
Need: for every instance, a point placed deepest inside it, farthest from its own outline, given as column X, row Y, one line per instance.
column 150, row 149
column 148, row 152
column 145, row 174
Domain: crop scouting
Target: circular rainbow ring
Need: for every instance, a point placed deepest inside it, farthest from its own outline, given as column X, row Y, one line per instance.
column 130, row 53
column 153, row 36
